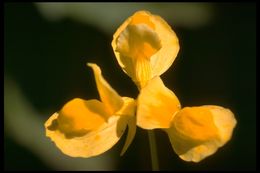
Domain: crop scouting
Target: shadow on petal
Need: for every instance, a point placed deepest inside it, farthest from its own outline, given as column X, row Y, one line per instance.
column 55, row 126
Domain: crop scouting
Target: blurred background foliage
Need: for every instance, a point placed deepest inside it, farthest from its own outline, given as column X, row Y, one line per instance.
column 46, row 47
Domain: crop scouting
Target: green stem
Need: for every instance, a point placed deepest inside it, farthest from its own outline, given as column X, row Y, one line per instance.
column 154, row 158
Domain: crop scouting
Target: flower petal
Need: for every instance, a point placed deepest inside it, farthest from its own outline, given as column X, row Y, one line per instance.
column 89, row 143
column 197, row 132
column 224, row 120
column 79, row 115
column 129, row 112
column 84, row 129
column 156, row 105
column 137, row 44
column 108, row 95
column 145, row 46
column 170, row 47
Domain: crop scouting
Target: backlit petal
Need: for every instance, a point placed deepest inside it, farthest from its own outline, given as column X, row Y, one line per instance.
column 197, row 132
column 224, row 120
column 156, row 105
column 108, row 95
column 83, row 128
column 170, row 47
column 137, row 44
column 90, row 143
column 145, row 46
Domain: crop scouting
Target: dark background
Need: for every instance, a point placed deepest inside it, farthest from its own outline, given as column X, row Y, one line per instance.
column 216, row 65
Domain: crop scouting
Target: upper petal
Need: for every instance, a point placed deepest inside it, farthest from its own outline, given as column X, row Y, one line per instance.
column 137, row 44
column 156, row 105
column 108, row 95
column 147, row 40
column 86, row 133
column 197, row 132
column 164, row 58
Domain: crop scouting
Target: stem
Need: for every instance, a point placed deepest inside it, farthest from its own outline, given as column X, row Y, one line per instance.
column 154, row 158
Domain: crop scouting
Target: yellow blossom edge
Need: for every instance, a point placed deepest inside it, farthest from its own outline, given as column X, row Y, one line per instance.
column 145, row 46
column 156, row 105
column 83, row 128
column 197, row 132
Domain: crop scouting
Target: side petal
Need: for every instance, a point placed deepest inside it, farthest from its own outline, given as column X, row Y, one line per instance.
column 86, row 143
column 224, row 120
column 156, row 105
column 108, row 95
column 197, row 132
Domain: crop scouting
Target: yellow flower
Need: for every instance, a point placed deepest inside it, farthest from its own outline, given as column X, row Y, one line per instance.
column 194, row 132
column 145, row 46
column 86, row 128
